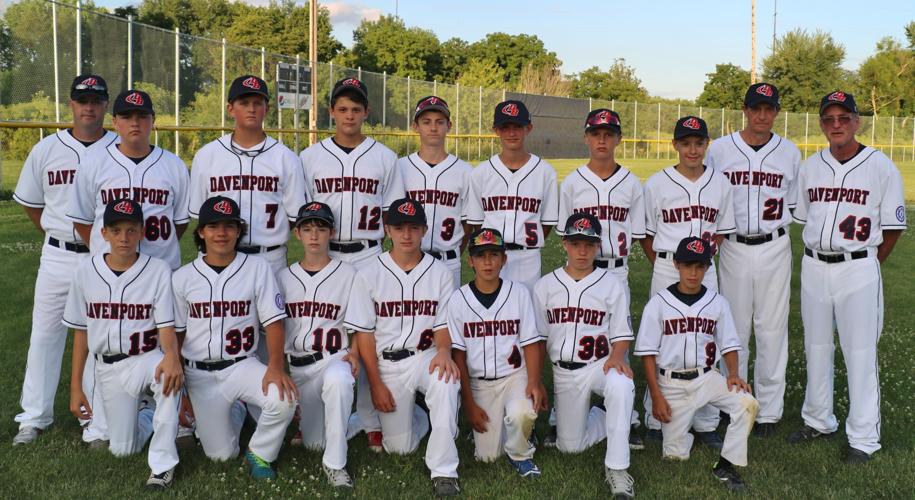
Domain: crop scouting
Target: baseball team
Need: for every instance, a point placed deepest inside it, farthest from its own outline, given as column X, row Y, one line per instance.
column 352, row 338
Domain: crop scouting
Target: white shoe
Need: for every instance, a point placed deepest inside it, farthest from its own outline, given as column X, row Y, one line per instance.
column 26, row 435
column 161, row 481
column 338, row 478
column 620, row 483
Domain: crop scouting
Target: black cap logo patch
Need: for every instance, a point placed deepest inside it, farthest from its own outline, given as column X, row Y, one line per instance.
column 124, row 207
column 510, row 109
column 837, row 97
column 407, row 209
column 134, row 98
column 251, row 83
column 223, row 207
column 691, row 123
column 696, row 246
column 765, row 90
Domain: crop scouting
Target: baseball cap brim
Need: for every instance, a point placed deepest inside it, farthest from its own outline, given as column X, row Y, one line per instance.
column 609, row 126
column 326, row 220
column 845, row 105
column 433, row 107
column 579, row 236
column 477, row 250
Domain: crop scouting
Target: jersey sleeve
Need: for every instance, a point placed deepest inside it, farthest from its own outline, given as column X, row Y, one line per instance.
column 726, row 222
column 197, row 192
column 304, row 160
column 620, row 327
column 360, row 309
column 465, row 194
column 446, row 289
column 180, row 302
column 164, row 313
column 82, row 199
column 182, row 192
column 712, row 153
column 528, row 333
column 455, row 323
column 75, row 310
column 295, row 194
column 393, row 188
column 271, row 306
column 565, row 204
column 799, row 214
column 474, row 207
column 651, row 216
column 726, row 332
column 892, row 204
column 538, row 301
column 549, row 213
column 30, row 187
column 637, row 211
column 648, row 341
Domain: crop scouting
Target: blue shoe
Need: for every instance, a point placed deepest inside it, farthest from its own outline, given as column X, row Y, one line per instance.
column 525, row 468
column 260, row 468
column 654, row 435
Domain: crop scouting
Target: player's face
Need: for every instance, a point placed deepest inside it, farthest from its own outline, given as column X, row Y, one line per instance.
column 315, row 237
column 487, row 264
column 349, row 116
column 581, row 253
column 220, row 237
column 760, row 118
column 432, row 127
column 248, row 111
column 406, row 237
column 512, row 135
column 123, row 236
column 839, row 125
column 691, row 275
column 88, row 111
column 691, row 150
column 601, row 143
column 134, row 127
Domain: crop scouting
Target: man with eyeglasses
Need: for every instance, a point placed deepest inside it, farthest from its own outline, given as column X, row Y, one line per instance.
column 43, row 191
column 852, row 204
column 255, row 170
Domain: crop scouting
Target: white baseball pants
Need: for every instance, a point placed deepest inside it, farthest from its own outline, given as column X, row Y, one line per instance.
column 326, row 402
column 511, row 417
column 523, row 266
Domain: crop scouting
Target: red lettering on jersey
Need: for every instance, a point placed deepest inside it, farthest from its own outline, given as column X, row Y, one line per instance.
column 575, row 315
column 311, row 309
column 523, row 203
column 346, row 185
column 606, row 212
column 141, row 195
column 220, row 309
column 686, row 214
column 260, row 183
column 117, row 310
column 434, row 197
column 399, row 308
column 497, row 328
column 840, row 195
column 743, row 178
column 58, row 177
column 690, row 324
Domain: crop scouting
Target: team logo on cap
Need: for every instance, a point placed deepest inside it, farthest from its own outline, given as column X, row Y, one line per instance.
column 765, row 90
column 134, row 98
column 251, row 83
column 314, row 207
column 604, row 118
column 486, row 237
column 89, row 81
column 123, row 207
column 837, row 97
column 351, row 82
column 691, row 123
column 696, row 246
column 431, row 101
column 582, row 224
column 407, row 208
column 223, row 207
column 510, row 109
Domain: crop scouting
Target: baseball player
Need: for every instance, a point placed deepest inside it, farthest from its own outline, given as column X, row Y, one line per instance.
column 397, row 307
column 516, row 193
column 755, row 262
column 684, row 329
column 121, row 308
column 440, row 181
column 852, row 206
column 42, row 190
column 688, row 199
column 491, row 322
column 321, row 359
column 357, row 177
column 583, row 312
column 262, row 175
column 133, row 168
column 221, row 299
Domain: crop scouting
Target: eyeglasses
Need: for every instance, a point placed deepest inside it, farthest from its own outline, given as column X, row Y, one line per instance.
column 833, row 120
column 83, row 86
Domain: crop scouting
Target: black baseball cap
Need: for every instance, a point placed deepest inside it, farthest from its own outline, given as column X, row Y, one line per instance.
column 405, row 211
column 431, row 103
column 511, row 112
column 485, row 239
column 315, row 211
column 88, row 85
column 351, row 84
column 122, row 209
column 761, row 93
column 248, row 84
column 839, row 98
column 132, row 100
column 582, row 225
column 219, row 208
column 693, row 249
column 690, row 125
column 603, row 118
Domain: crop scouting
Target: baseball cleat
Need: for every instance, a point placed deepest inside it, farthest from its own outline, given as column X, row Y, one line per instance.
column 549, row 441
column 338, row 478
column 654, row 435
column 525, row 468
column 260, row 468
column 375, row 439
column 186, row 438
column 808, row 434
column 621, row 483
column 26, row 435
column 728, row 475
column 856, row 457
column 710, row 439
column 161, row 481
column 635, row 440
column 764, row 430
column 98, row 444
column 445, row 487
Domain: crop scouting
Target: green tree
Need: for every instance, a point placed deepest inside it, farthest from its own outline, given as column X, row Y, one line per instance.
column 512, row 53
column 482, row 73
column 192, row 17
column 388, row 45
column 454, row 53
column 886, row 80
column 725, row 87
column 805, row 66
column 283, row 28
column 617, row 83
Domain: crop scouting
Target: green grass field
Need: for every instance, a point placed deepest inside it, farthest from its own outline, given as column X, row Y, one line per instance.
column 59, row 466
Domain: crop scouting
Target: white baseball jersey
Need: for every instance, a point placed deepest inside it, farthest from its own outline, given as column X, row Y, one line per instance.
column 443, row 190
column 358, row 187
column 316, row 307
column 684, row 336
column 222, row 312
column 121, row 314
column 676, row 207
column 763, row 183
column 402, row 310
column 581, row 319
column 46, row 177
column 616, row 202
column 516, row 203
column 492, row 337
column 847, row 207
column 269, row 188
column 159, row 184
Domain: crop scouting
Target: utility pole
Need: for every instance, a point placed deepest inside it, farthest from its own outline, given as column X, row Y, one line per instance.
column 753, row 49
column 774, row 24
column 313, row 62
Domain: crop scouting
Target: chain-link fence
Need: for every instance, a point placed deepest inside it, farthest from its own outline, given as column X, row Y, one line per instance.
column 187, row 78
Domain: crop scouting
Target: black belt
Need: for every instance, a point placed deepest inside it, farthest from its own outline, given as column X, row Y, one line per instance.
column 214, row 366
column 397, row 355
column 663, row 255
column 66, row 245
column 110, row 359
column 836, row 258
column 490, row 379
column 308, row 359
column 570, row 365
column 352, row 247
column 515, row 246
column 686, row 375
column 446, row 255
column 257, row 249
column 758, row 239
column 604, row 264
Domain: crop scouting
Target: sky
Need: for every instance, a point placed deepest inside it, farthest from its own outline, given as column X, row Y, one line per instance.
column 671, row 44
